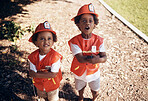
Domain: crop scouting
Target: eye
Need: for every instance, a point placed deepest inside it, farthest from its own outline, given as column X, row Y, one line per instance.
column 49, row 38
column 42, row 39
column 90, row 21
column 84, row 21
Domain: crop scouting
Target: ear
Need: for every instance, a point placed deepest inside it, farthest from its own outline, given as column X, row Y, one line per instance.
column 95, row 26
column 36, row 44
column 78, row 26
column 52, row 43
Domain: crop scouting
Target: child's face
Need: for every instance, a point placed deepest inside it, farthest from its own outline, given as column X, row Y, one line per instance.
column 44, row 42
column 86, row 24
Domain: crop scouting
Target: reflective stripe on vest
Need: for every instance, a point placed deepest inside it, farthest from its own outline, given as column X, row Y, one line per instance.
column 52, row 80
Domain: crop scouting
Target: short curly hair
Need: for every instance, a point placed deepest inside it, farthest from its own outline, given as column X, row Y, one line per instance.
column 77, row 19
column 35, row 36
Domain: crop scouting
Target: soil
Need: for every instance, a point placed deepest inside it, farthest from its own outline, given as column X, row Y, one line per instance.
column 124, row 77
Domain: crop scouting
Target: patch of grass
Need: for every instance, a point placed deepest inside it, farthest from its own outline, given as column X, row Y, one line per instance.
column 134, row 11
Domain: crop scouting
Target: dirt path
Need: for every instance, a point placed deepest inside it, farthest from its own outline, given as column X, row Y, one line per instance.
column 124, row 77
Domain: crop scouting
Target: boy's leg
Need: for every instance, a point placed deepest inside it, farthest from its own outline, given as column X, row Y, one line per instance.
column 95, row 94
column 53, row 95
column 81, row 94
column 42, row 94
column 95, row 85
column 80, row 86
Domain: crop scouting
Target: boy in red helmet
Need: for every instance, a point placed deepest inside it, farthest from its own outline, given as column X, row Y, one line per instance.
column 45, row 63
column 88, row 51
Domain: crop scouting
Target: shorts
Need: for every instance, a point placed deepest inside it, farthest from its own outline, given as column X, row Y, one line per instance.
column 51, row 96
column 94, row 85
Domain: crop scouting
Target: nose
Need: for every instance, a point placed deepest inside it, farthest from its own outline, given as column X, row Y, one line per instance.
column 46, row 41
column 87, row 22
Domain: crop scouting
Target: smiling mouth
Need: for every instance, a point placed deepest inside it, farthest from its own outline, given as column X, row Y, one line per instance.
column 87, row 28
column 46, row 45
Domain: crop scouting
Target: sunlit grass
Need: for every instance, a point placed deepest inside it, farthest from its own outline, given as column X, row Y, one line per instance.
column 134, row 11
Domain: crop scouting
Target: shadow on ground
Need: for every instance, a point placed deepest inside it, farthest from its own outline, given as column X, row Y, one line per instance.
column 12, row 7
column 67, row 93
column 63, row 1
column 15, row 84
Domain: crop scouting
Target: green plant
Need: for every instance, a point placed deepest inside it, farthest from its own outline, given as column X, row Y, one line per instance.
column 30, row 28
column 11, row 31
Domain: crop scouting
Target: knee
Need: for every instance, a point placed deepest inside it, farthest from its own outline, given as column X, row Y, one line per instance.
column 41, row 94
column 95, row 92
column 84, row 87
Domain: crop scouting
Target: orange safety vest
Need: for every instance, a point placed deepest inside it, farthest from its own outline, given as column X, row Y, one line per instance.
column 49, row 84
column 86, row 46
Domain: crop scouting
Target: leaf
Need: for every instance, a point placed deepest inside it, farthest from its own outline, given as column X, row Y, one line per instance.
column 20, row 35
column 15, row 39
column 22, row 59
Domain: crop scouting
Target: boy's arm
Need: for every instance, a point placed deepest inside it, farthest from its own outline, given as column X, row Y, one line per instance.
column 100, row 58
column 42, row 74
column 77, row 52
column 81, row 58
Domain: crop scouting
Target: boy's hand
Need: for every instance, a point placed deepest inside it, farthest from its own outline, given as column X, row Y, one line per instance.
column 44, row 70
column 93, row 59
column 100, row 58
column 89, row 57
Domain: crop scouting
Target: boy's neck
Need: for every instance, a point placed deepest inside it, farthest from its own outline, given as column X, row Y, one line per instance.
column 86, row 36
column 41, row 52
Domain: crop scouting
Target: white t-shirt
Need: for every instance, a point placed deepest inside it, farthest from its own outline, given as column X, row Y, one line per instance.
column 54, row 68
column 87, row 78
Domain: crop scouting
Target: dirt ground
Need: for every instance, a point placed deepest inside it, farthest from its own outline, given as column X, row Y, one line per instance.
column 124, row 77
